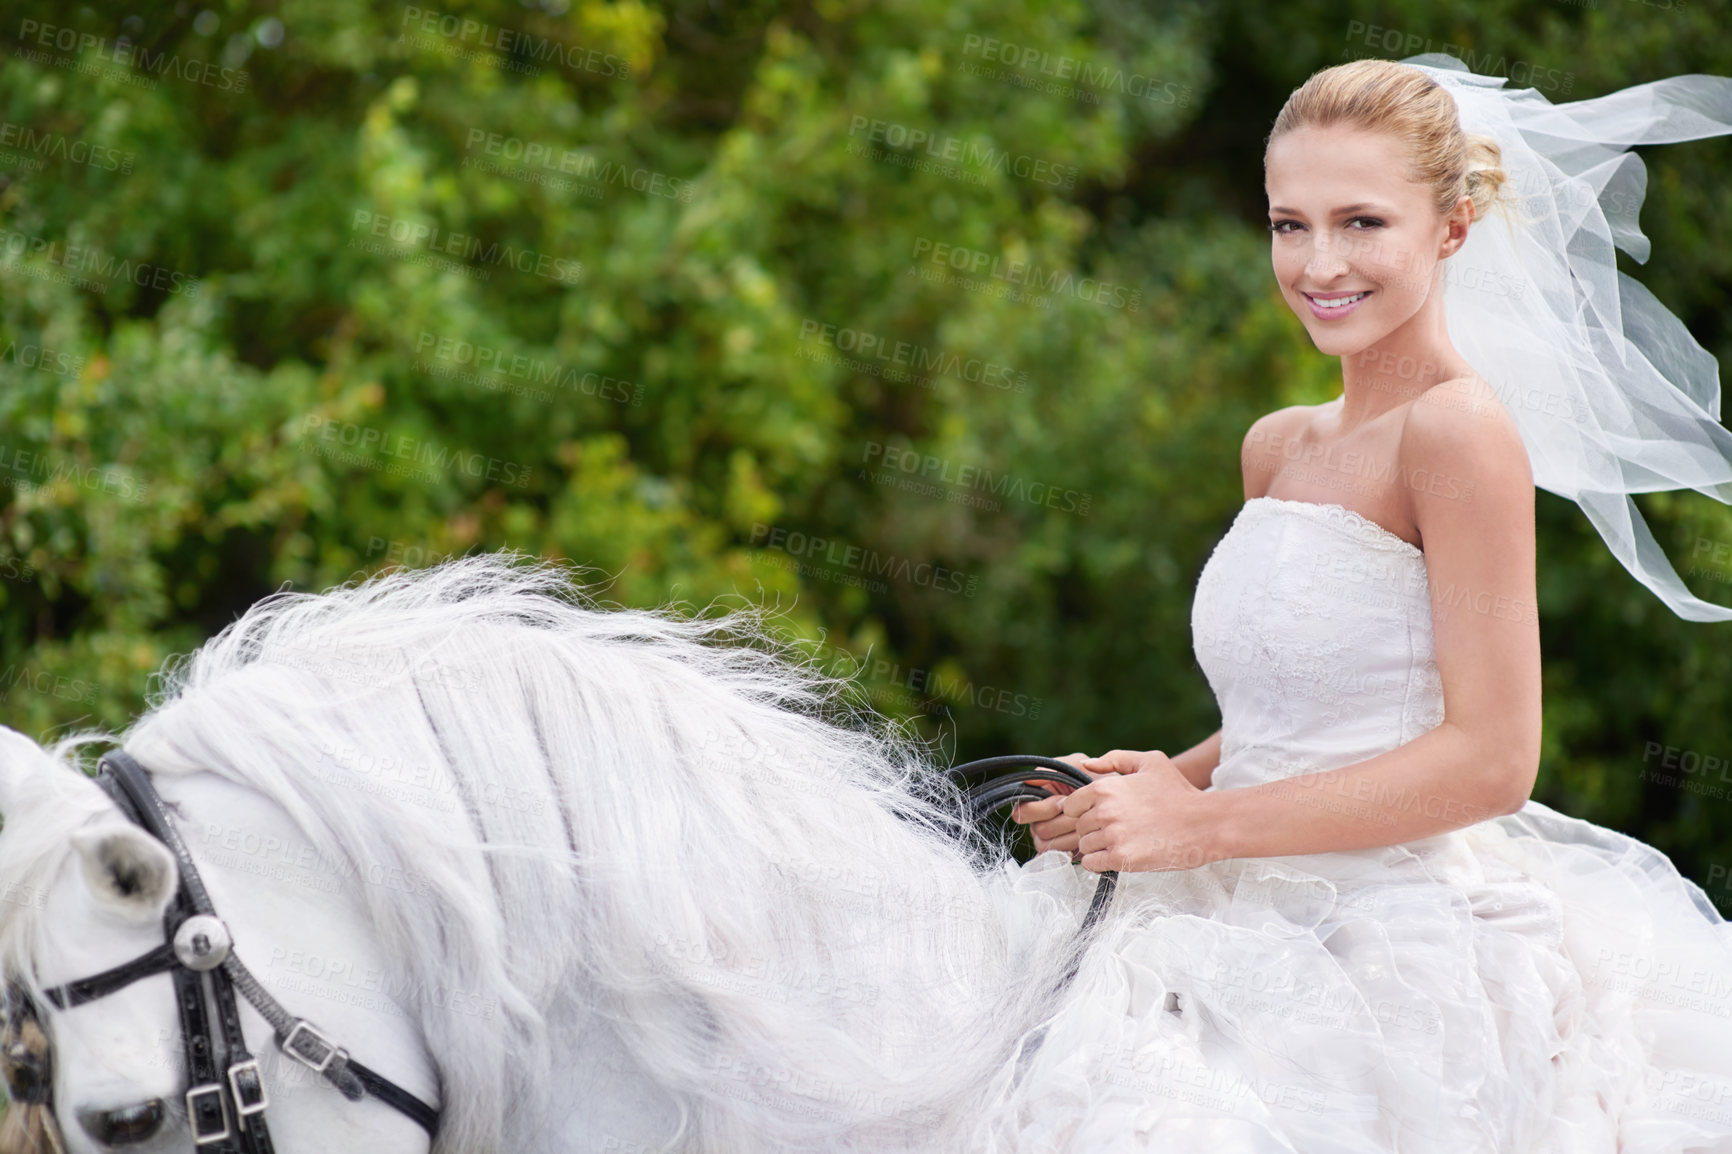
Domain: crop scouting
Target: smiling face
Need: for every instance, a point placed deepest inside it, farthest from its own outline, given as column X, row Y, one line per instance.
column 1349, row 226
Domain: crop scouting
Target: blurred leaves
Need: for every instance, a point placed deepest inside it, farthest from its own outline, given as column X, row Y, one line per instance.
column 980, row 288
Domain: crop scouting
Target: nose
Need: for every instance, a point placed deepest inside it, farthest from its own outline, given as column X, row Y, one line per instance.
column 125, row 1126
column 1324, row 263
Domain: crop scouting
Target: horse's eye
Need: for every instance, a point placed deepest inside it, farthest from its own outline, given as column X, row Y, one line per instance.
column 125, row 1126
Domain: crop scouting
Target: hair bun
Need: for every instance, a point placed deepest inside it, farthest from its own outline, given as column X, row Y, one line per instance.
column 1486, row 179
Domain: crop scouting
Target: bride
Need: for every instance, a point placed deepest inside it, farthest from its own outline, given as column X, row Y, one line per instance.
column 1365, row 922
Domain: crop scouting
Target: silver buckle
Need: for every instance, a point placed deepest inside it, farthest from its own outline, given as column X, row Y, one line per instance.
column 248, row 1087
column 203, row 1136
column 309, row 1047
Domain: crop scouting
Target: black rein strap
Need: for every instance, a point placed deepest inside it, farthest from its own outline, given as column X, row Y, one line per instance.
column 1007, row 788
column 225, row 1110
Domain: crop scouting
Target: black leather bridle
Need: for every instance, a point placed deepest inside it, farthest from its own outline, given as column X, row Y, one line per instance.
column 226, row 1111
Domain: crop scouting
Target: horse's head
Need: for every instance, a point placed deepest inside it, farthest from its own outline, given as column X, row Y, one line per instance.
column 83, row 890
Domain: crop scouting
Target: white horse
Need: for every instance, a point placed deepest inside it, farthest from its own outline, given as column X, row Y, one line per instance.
column 586, row 880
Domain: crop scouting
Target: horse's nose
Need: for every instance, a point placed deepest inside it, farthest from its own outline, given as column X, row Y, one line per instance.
column 123, row 1127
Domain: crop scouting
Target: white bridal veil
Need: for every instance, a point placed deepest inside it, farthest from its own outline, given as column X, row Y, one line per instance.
column 1612, row 394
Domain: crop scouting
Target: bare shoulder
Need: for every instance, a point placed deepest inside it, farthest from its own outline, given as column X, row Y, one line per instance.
column 1260, row 455
column 1462, row 456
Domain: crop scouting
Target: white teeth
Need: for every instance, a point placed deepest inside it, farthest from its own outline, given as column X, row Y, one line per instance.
column 1335, row 304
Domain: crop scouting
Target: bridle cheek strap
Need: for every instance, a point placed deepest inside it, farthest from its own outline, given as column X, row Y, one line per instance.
column 227, row 1112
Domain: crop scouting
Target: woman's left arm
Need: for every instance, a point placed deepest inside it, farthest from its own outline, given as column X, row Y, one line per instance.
column 1471, row 494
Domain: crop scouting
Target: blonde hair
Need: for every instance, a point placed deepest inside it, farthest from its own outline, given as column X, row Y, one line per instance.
column 1384, row 96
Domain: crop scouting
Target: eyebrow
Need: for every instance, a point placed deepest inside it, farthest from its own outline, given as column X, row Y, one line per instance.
column 1342, row 211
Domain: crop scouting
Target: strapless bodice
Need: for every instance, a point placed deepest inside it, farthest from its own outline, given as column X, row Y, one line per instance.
column 1313, row 626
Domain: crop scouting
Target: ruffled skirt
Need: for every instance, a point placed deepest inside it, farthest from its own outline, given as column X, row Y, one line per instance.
column 1531, row 983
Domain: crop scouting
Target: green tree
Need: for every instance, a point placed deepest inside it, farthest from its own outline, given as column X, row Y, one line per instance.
column 977, row 296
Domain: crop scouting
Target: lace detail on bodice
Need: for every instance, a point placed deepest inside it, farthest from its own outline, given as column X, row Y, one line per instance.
column 1313, row 626
column 1350, row 521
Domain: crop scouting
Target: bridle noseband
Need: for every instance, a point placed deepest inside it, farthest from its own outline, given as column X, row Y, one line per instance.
column 226, row 1111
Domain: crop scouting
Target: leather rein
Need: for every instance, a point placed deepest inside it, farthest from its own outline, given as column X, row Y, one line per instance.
column 226, row 1110
column 1008, row 788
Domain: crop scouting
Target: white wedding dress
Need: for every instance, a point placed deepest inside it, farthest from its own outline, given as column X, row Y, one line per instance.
column 1529, row 983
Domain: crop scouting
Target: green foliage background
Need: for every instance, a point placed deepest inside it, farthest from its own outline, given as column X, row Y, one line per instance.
column 169, row 470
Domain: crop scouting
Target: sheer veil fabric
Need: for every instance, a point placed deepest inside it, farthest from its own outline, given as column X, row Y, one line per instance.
column 1611, row 393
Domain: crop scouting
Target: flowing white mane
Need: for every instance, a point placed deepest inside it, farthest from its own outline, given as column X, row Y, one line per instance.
column 609, row 809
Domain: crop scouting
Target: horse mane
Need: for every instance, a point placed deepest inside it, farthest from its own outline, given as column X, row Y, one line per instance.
column 666, row 819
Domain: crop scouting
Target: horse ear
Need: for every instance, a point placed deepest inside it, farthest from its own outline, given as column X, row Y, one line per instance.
column 22, row 762
column 129, row 872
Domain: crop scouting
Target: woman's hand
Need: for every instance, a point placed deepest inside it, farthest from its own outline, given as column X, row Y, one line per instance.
column 1047, row 822
column 1140, row 813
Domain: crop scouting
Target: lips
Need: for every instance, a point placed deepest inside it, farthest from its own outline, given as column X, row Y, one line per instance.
column 1335, row 304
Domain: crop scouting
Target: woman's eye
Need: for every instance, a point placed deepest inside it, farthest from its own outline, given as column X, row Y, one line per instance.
column 1279, row 227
